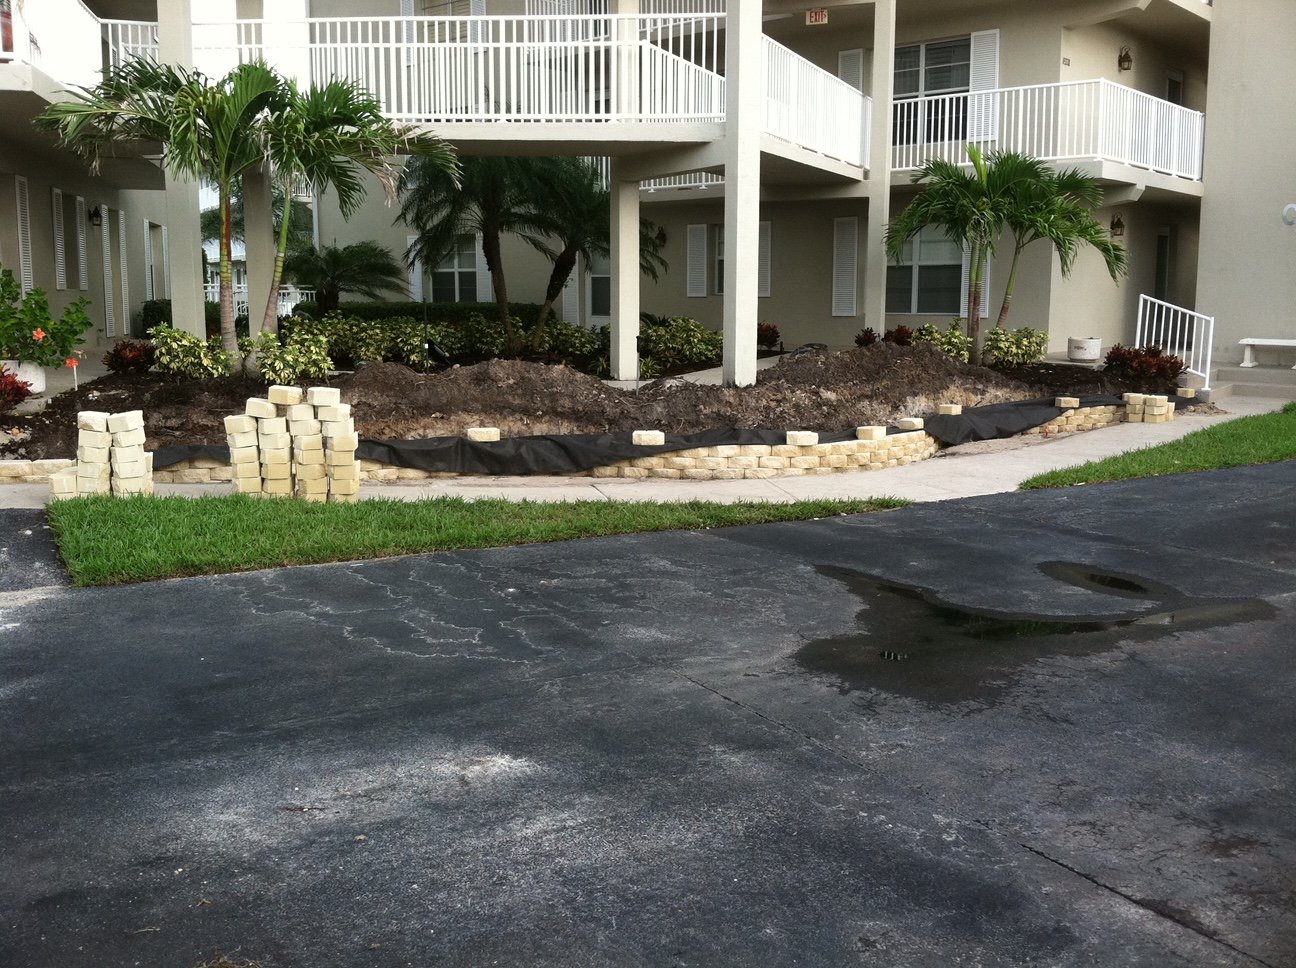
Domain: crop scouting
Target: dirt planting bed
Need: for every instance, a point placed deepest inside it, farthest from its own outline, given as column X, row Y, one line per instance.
column 818, row 391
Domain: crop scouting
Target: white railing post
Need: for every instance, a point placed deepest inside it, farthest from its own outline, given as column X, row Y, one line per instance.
column 1187, row 334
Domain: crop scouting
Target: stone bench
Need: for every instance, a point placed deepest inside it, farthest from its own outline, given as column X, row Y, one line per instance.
column 1248, row 344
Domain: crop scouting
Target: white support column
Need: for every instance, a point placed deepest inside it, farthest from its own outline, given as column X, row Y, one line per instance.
column 625, row 275
column 259, row 245
column 879, row 178
column 744, row 121
column 286, row 36
column 625, row 75
column 184, row 234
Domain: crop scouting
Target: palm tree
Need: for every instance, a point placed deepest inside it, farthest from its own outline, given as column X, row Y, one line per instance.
column 207, row 129
column 365, row 268
column 328, row 137
column 972, row 208
column 573, row 210
column 491, row 198
column 209, row 219
column 1059, row 207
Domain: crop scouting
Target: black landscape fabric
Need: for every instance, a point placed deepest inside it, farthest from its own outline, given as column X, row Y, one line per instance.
column 551, row 454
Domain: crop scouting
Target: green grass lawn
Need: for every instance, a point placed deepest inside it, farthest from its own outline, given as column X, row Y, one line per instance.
column 110, row 540
column 1262, row 439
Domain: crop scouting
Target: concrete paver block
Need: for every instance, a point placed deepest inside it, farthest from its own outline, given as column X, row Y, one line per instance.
column 871, row 433
column 802, row 438
column 285, row 396
column 485, row 434
column 126, row 421
column 257, row 407
column 94, row 438
column 240, row 423
column 323, row 396
column 92, row 420
column 127, row 438
column 648, row 438
column 910, row 423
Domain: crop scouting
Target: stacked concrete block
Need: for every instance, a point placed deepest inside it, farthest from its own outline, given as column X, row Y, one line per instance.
column 1134, row 403
column 950, row 409
column 94, row 454
column 295, row 442
column 1187, row 393
column 910, row 423
column 1157, row 409
column 63, row 484
column 245, row 452
column 131, row 465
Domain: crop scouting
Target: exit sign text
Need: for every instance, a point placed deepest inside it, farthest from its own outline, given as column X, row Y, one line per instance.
column 816, row 17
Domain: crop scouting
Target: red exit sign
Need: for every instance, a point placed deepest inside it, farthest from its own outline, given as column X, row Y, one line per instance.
column 816, row 16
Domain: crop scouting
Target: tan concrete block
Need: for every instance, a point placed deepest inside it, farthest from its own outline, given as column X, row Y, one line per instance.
column 94, row 438
column 276, row 472
column 635, row 472
column 299, row 411
column 245, row 455
column 1066, row 403
column 320, row 497
column 647, row 438
column 794, row 472
column 307, row 444
column 93, row 455
column 754, row 450
column 334, row 413
column 323, row 396
column 744, row 463
column 338, row 458
column 950, row 409
column 268, row 426
column 344, row 498
column 195, row 475
column 274, row 441
column 247, row 485
column 1156, row 398
column 278, row 486
column 1189, row 393
column 164, row 477
column 1156, row 409
column 835, row 460
column 337, row 428
column 246, row 438
column 91, row 488
column 699, row 474
column 127, row 452
column 605, row 472
column 759, row 473
column 94, row 471
column 785, row 450
column 681, row 463
column 802, row 438
column 221, row 474
column 128, row 438
column 725, row 450
column 345, row 442
column 728, row 474
column 383, row 474
column 647, row 463
column 304, row 428
column 670, row 473
column 14, row 469
column 240, row 423
column 371, row 465
column 95, row 421
column 126, row 421
column 1134, row 417
column 910, row 423
column 344, row 487
column 312, row 485
column 774, row 463
column 285, row 396
column 259, row 408
column 311, row 472
column 128, row 468
column 713, row 463
column 807, row 463
column 695, row 453
column 1132, row 398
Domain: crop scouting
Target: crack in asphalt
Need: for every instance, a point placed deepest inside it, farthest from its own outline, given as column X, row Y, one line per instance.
column 1159, row 910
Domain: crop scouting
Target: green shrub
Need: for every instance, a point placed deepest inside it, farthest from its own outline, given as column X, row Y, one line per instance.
column 525, row 313
column 1149, row 366
column 684, row 342
column 182, row 354
column 155, row 312
column 1014, row 347
column 952, row 341
column 29, row 333
column 301, row 354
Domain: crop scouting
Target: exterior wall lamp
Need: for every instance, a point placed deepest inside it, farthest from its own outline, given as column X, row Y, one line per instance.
column 1125, row 60
column 1117, row 226
column 96, row 216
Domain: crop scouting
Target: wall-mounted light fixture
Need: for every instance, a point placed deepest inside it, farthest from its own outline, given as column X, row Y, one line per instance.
column 96, row 216
column 1117, row 226
column 1125, row 60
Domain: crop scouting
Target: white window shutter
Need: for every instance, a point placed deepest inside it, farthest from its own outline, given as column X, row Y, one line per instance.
column 983, row 109
column 60, row 244
column 166, row 266
column 83, row 269
column 25, row 267
column 845, row 265
column 485, row 293
column 110, row 316
column 415, row 270
column 148, row 261
column 696, row 274
column 850, row 67
column 763, row 260
column 125, row 272
column 571, row 294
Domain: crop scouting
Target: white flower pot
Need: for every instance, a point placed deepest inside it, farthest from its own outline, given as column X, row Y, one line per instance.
column 1084, row 349
column 30, row 372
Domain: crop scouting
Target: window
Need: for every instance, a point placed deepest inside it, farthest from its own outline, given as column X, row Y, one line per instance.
column 925, row 71
column 717, row 242
column 697, row 261
column 929, row 278
column 600, row 287
column 1175, row 87
column 455, row 279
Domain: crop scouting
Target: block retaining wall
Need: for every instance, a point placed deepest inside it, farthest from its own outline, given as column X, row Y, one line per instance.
column 723, row 463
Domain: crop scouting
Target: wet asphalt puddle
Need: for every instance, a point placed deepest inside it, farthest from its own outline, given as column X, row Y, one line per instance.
column 913, row 643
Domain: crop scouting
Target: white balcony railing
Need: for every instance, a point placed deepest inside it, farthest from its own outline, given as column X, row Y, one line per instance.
column 58, row 37
column 126, row 40
column 809, row 107
column 1078, row 120
column 1188, row 335
column 573, row 68
column 289, row 296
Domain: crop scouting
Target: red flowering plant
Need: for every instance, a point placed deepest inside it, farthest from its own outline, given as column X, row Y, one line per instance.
column 28, row 331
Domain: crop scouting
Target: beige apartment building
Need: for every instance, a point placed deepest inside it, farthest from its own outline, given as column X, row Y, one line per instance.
column 771, row 142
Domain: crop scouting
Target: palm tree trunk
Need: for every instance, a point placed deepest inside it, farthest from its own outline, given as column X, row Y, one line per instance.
column 229, row 338
column 1010, row 287
column 562, row 270
column 270, row 321
column 976, row 272
column 491, row 250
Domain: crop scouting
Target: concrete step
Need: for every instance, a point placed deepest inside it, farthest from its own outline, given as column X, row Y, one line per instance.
column 1270, row 391
column 1271, row 375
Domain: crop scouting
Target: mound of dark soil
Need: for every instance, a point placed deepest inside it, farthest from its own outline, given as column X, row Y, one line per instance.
column 818, row 391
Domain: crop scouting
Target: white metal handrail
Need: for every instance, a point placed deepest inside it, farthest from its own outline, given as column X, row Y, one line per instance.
column 289, row 296
column 1187, row 334
column 569, row 68
column 1096, row 119
column 809, row 107
column 126, row 40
